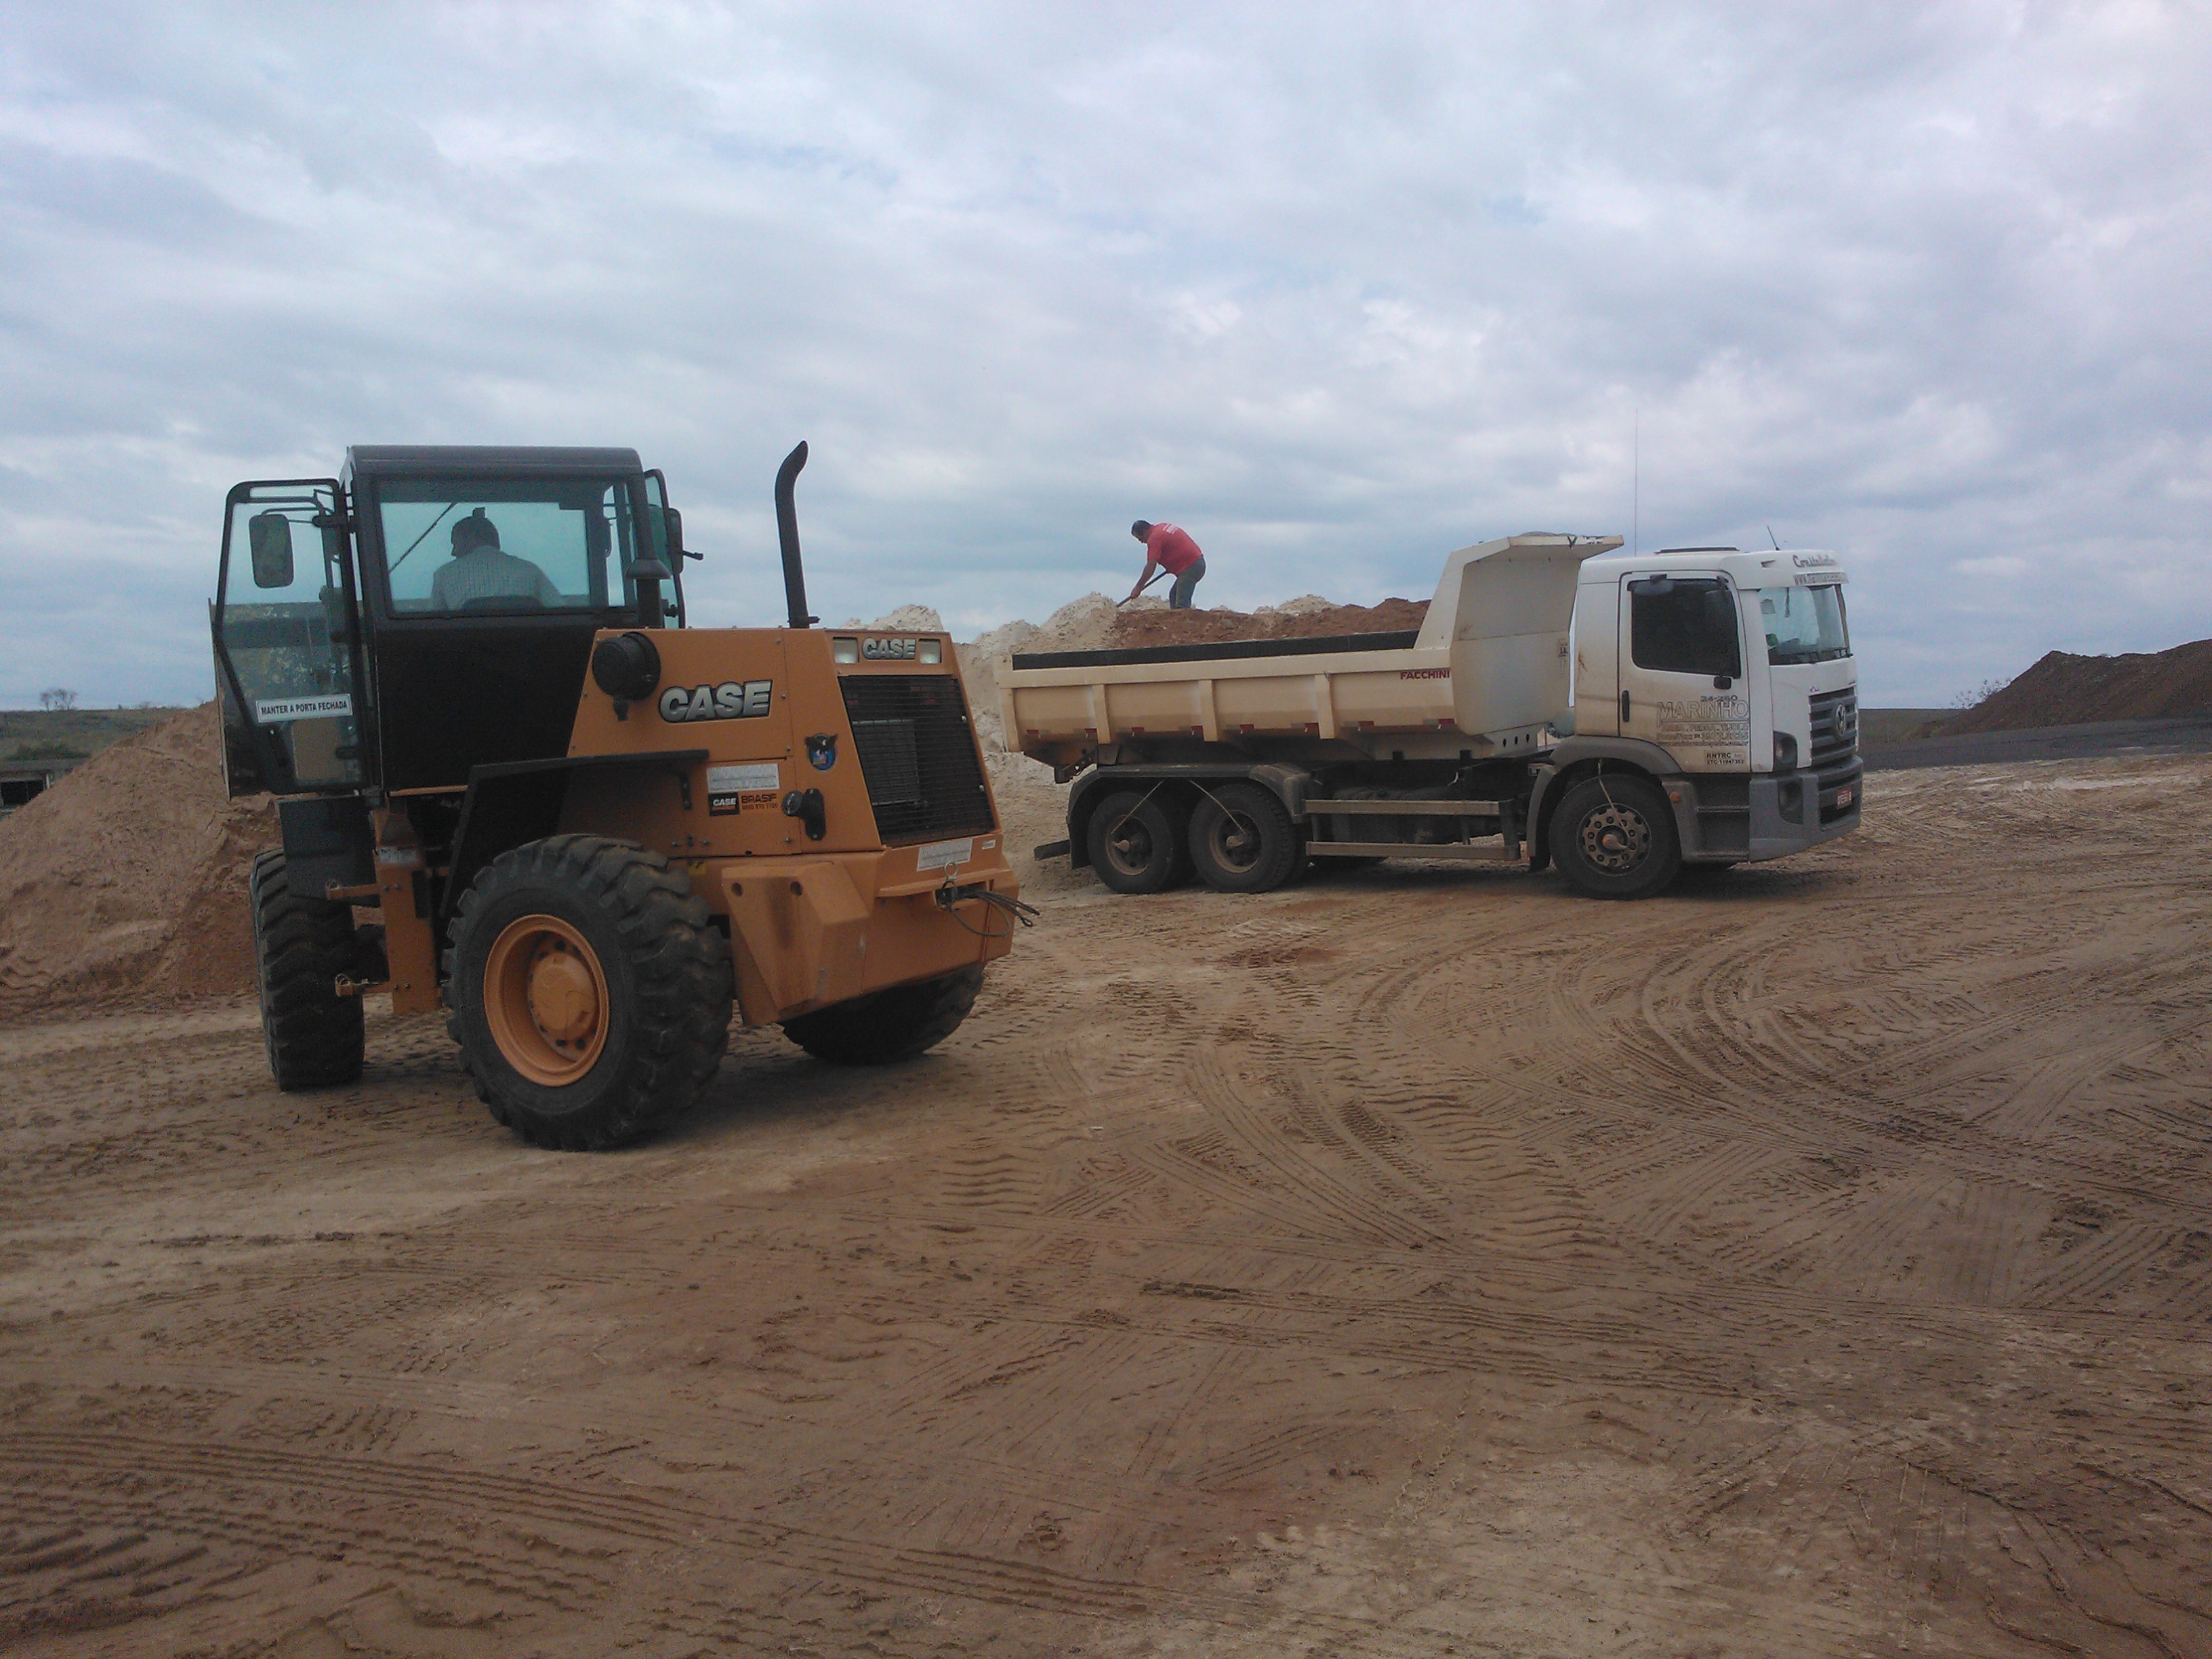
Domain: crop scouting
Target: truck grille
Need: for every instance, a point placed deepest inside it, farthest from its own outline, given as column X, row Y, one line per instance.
column 917, row 753
column 1835, row 728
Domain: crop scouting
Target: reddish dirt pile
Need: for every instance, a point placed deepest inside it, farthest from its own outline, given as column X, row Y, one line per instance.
column 128, row 877
column 2063, row 689
column 1140, row 627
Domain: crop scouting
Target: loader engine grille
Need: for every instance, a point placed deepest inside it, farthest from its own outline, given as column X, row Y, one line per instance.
column 917, row 753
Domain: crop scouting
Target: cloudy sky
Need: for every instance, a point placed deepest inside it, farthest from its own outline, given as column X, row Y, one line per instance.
column 1339, row 289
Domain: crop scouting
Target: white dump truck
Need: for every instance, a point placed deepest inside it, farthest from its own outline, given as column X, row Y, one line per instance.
column 1561, row 703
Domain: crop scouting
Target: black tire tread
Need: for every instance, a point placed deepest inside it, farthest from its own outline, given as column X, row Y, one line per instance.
column 1285, row 854
column 680, row 962
column 888, row 1025
column 315, row 1037
column 1654, row 877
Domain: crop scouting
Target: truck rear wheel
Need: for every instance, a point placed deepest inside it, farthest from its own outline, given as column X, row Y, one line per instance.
column 893, row 1024
column 1136, row 843
column 1242, row 840
column 589, row 989
column 301, row 946
column 1613, row 836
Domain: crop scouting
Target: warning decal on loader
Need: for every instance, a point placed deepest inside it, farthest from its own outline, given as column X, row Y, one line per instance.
column 745, row 787
column 269, row 711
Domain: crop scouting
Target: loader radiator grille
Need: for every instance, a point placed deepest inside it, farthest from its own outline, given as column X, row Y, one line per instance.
column 917, row 753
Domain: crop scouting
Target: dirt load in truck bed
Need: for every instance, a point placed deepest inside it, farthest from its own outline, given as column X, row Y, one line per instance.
column 1816, row 1259
column 1309, row 619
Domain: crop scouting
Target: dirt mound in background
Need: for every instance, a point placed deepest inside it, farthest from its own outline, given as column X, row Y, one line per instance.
column 2063, row 689
column 128, row 877
column 1306, row 618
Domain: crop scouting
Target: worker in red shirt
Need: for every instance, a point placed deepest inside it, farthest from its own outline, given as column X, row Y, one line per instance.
column 1167, row 548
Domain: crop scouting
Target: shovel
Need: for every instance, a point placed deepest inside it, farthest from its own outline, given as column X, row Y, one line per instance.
column 1156, row 575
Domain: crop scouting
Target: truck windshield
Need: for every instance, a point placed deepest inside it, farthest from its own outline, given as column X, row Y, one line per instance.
column 1804, row 624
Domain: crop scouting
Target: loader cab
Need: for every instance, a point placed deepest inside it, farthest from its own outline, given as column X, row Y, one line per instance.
column 429, row 610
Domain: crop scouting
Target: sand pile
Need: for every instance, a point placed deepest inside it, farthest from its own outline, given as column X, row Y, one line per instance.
column 128, row 877
column 2063, row 689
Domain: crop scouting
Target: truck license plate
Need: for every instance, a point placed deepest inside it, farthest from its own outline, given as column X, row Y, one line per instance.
column 1843, row 796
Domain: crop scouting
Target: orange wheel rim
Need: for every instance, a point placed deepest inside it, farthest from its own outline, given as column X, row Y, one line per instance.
column 545, row 998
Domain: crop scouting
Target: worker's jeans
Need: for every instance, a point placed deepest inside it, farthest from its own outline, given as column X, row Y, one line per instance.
column 1179, row 595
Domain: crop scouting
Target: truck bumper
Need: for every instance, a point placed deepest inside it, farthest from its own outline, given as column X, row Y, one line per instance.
column 1793, row 811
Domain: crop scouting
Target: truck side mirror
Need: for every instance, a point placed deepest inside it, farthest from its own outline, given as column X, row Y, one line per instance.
column 675, row 536
column 270, row 536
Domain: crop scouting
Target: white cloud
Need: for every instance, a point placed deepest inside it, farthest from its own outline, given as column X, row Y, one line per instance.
column 1339, row 290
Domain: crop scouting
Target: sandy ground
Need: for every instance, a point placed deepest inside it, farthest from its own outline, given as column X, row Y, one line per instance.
column 1816, row 1261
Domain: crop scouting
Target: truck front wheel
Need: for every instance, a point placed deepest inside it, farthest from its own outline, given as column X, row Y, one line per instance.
column 1612, row 837
column 1242, row 840
column 1136, row 843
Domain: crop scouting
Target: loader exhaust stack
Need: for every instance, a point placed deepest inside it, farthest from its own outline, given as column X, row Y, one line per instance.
column 786, row 531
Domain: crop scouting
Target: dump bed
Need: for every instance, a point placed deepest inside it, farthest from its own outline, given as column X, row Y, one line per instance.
column 1489, row 664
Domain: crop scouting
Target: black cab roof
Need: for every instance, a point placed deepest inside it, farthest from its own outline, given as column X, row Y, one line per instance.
column 384, row 460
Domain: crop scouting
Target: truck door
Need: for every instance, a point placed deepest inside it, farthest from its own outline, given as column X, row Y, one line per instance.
column 286, row 626
column 1681, row 670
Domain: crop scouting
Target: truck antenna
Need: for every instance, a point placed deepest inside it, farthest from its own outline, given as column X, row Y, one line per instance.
column 1635, row 486
column 1770, row 536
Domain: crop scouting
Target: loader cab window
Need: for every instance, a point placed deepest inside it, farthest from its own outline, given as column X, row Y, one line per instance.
column 1685, row 625
column 506, row 547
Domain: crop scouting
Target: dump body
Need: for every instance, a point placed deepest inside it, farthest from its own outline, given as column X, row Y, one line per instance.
column 1486, row 675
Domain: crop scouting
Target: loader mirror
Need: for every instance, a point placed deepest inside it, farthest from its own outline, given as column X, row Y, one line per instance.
column 270, row 536
column 675, row 536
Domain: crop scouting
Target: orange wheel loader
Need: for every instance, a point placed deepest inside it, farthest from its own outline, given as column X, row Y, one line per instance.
column 593, row 834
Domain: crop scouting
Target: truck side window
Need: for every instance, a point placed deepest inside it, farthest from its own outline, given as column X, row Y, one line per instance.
column 1684, row 627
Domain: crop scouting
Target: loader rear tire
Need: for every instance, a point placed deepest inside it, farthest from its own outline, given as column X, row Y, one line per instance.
column 1613, row 836
column 1137, row 842
column 888, row 1025
column 589, row 991
column 300, row 948
column 1242, row 840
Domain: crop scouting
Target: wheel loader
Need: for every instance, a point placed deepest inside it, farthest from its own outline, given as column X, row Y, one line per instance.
column 515, row 784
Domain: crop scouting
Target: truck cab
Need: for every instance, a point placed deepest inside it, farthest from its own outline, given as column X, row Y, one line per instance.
column 1728, row 676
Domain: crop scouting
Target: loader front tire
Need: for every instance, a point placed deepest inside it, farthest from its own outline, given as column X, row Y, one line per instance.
column 888, row 1025
column 300, row 948
column 589, row 989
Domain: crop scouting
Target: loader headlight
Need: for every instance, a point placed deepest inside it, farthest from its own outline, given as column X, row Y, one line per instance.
column 844, row 649
column 932, row 650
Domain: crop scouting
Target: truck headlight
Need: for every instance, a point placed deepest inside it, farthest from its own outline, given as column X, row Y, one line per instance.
column 1785, row 753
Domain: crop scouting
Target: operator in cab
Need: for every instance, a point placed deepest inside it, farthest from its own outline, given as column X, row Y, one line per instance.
column 480, row 570
column 1171, row 548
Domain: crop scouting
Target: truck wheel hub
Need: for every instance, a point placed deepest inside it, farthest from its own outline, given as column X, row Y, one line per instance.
column 1615, row 839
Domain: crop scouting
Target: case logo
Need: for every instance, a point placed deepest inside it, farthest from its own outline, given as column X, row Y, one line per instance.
column 888, row 650
column 730, row 700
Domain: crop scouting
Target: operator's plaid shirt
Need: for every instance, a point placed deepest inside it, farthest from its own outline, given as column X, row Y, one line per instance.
column 485, row 572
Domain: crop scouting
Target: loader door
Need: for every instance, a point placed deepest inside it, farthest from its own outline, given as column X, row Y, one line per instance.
column 1681, row 670
column 287, row 640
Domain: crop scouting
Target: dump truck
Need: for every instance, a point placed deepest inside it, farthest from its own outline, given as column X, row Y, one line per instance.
column 1561, row 703
column 516, row 785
